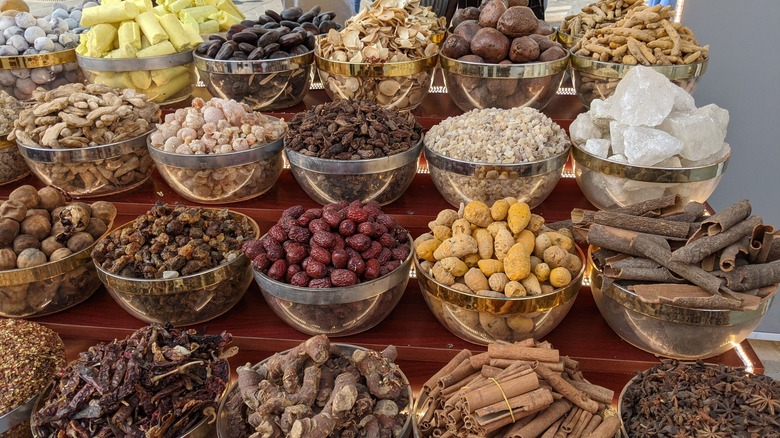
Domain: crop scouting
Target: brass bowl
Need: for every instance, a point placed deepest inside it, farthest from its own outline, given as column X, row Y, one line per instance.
column 60, row 68
column 460, row 181
column 670, row 331
column 478, row 85
column 607, row 184
column 226, row 416
column 461, row 312
column 12, row 165
column 597, row 80
column 399, row 85
column 166, row 79
column 185, row 300
column 92, row 171
column 268, row 84
column 49, row 288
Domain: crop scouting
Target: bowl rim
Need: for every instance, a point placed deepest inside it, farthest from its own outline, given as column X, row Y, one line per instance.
column 181, row 284
column 86, row 154
column 505, row 305
column 504, row 71
column 17, row 62
column 336, row 295
column 90, row 63
column 354, row 167
column 248, row 67
column 650, row 174
column 18, row 415
column 49, row 270
column 669, row 312
column 216, row 160
column 343, row 347
column 472, row 168
column 614, row 70
column 364, row 69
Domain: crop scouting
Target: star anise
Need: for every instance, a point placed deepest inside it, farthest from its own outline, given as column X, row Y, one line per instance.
column 762, row 401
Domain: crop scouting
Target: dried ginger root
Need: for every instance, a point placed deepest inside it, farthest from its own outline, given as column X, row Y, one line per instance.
column 597, row 15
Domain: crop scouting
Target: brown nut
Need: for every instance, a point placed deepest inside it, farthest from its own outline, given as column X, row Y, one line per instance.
column 25, row 241
column 51, row 198
column 9, row 229
column 7, row 259
column 15, row 210
column 524, row 49
column 30, row 257
column 37, row 226
column 27, row 195
column 491, row 13
column 103, row 210
column 467, row 30
column 50, row 245
column 490, row 44
column 60, row 254
column 80, row 241
column 517, row 21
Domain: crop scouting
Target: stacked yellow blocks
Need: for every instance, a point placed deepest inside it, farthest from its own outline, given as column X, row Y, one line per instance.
column 127, row 29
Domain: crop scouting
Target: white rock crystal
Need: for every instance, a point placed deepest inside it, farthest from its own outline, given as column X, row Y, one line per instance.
column 647, row 146
column 582, row 129
column 642, row 97
column 616, row 131
column 702, row 130
column 597, row 146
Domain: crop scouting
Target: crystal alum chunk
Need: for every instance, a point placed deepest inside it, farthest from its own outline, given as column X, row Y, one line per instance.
column 616, row 131
column 597, row 146
column 714, row 158
column 618, row 158
column 642, row 97
column 582, row 129
column 601, row 112
column 647, row 146
column 701, row 130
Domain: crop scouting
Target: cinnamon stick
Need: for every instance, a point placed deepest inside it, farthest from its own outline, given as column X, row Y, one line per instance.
column 570, row 420
column 774, row 251
column 630, row 262
column 479, row 360
column 503, row 363
column 691, row 211
column 530, row 401
column 728, row 256
column 543, row 420
column 566, row 389
column 617, row 239
column 607, row 429
column 446, row 369
column 695, row 251
column 497, row 391
column 639, row 224
column 582, row 421
column 659, row 274
column 761, row 243
column 723, row 220
column 518, row 352
column 653, row 206
column 592, row 425
column 750, row 277
column 462, row 370
column 552, row 430
column 595, row 392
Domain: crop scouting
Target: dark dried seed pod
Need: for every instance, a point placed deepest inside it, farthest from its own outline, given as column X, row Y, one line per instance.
column 289, row 24
column 236, row 28
column 272, row 25
column 245, row 37
column 268, row 38
column 270, row 49
column 240, row 56
column 329, row 15
column 246, row 47
column 274, row 15
column 279, row 54
column 263, row 19
column 327, row 25
column 257, row 30
column 213, row 50
column 256, row 54
column 311, row 42
column 309, row 27
column 292, row 14
column 204, row 47
column 300, row 50
column 248, row 23
column 306, row 18
column 316, row 9
column 291, row 40
column 283, row 31
column 316, row 21
column 219, row 38
column 225, row 52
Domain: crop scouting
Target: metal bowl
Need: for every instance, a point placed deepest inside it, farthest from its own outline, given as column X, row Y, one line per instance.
column 16, row 422
column 567, row 40
column 608, row 184
column 399, row 85
column 21, row 75
column 336, row 311
column 48, row 288
column 597, row 80
column 92, row 171
column 463, row 313
column 378, row 179
column 461, row 181
column 12, row 165
column 186, row 300
column 221, row 178
column 667, row 330
column 227, row 416
column 268, row 84
column 477, row 85
column 163, row 79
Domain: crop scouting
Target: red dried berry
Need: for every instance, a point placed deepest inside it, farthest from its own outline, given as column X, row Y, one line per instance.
column 300, row 279
column 273, row 249
column 343, row 277
column 400, row 252
column 366, row 228
column 294, row 211
column 356, row 213
column 379, row 229
column 318, row 225
column 392, row 265
column 320, row 283
column 252, row 248
column 324, row 239
column 385, row 255
column 373, row 251
column 287, row 222
column 305, row 262
column 372, row 270
column 373, row 208
column 305, row 219
column 356, row 265
column 292, row 270
column 299, row 234
column 339, row 258
column 315, row 269
column 387, row 221
column 261, row 262
column 347, row 228
column 315, row 212
column 332, row 216
column 358, row 242
column 296, row 252
column 339, row 241
column 320, row 254
column 278, row 270
column 388, row 241
column 277, row 233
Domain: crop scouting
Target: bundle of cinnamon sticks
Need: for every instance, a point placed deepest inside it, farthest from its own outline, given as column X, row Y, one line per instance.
column 675, row 253
column 521, row 390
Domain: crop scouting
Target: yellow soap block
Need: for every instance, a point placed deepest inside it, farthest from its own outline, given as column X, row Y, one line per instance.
column 200, row 13
column 100, row 39
column 150, row 27
column 130, row 34
column 143, row 5
column 230, row 8
column 108, row 2
column 165, row 75
column 144, row 42
column 226, row 20
column 108, row 13
column 208, row 27
column 122, row 52
column 141, row 79
column 160, row 10
column 176, row 34
column 112, row 79
column 159, row 49
column 170, row 89
column 177, row 5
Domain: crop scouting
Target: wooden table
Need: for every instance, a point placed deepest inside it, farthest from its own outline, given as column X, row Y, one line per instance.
column 423, row 343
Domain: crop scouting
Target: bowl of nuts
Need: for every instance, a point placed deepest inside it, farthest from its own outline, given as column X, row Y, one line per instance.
column 371, row 155
column 369, row 391
column 490, row 154
column 514, row 279
column 241, row 162
column 44, row 251
column 167, row 286
column 336, row 270
column 12, row 165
